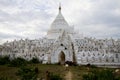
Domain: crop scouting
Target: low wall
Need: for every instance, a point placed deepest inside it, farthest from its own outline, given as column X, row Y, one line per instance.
column 110, row 65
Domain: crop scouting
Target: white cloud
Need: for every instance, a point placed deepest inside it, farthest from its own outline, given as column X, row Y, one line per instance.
column 32, row 18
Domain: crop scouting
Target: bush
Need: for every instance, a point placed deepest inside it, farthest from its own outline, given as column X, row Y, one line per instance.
column 51, row 76
column 4, row 78
column 15, row 62
column 89, row 77
column 55, row 77
column 100, row 75
column 70, row 63
column 34, row 60
column 18, row 62
column 91, row 66
column 4, row 60
column 26, row 73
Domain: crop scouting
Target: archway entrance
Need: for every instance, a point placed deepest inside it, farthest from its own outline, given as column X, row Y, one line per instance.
column 62, row 58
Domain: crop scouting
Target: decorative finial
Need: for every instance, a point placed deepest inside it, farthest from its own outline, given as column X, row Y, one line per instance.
column 59, row 7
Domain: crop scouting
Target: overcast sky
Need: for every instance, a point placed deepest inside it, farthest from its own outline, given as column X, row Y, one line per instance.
column 32, row 18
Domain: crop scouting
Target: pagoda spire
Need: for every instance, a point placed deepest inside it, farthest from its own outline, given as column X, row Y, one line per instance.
column 59, row 7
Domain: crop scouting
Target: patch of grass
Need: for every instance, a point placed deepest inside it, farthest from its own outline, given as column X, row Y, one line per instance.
column 57, row 69
column 10, row 72
column 77, row 71
column 106, row 74
column 27, row 73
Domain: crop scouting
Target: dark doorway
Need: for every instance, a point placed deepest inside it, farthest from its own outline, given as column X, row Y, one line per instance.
column 62, row 58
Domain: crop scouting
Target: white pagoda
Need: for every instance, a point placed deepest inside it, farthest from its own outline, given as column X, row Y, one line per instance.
column 62, row 44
